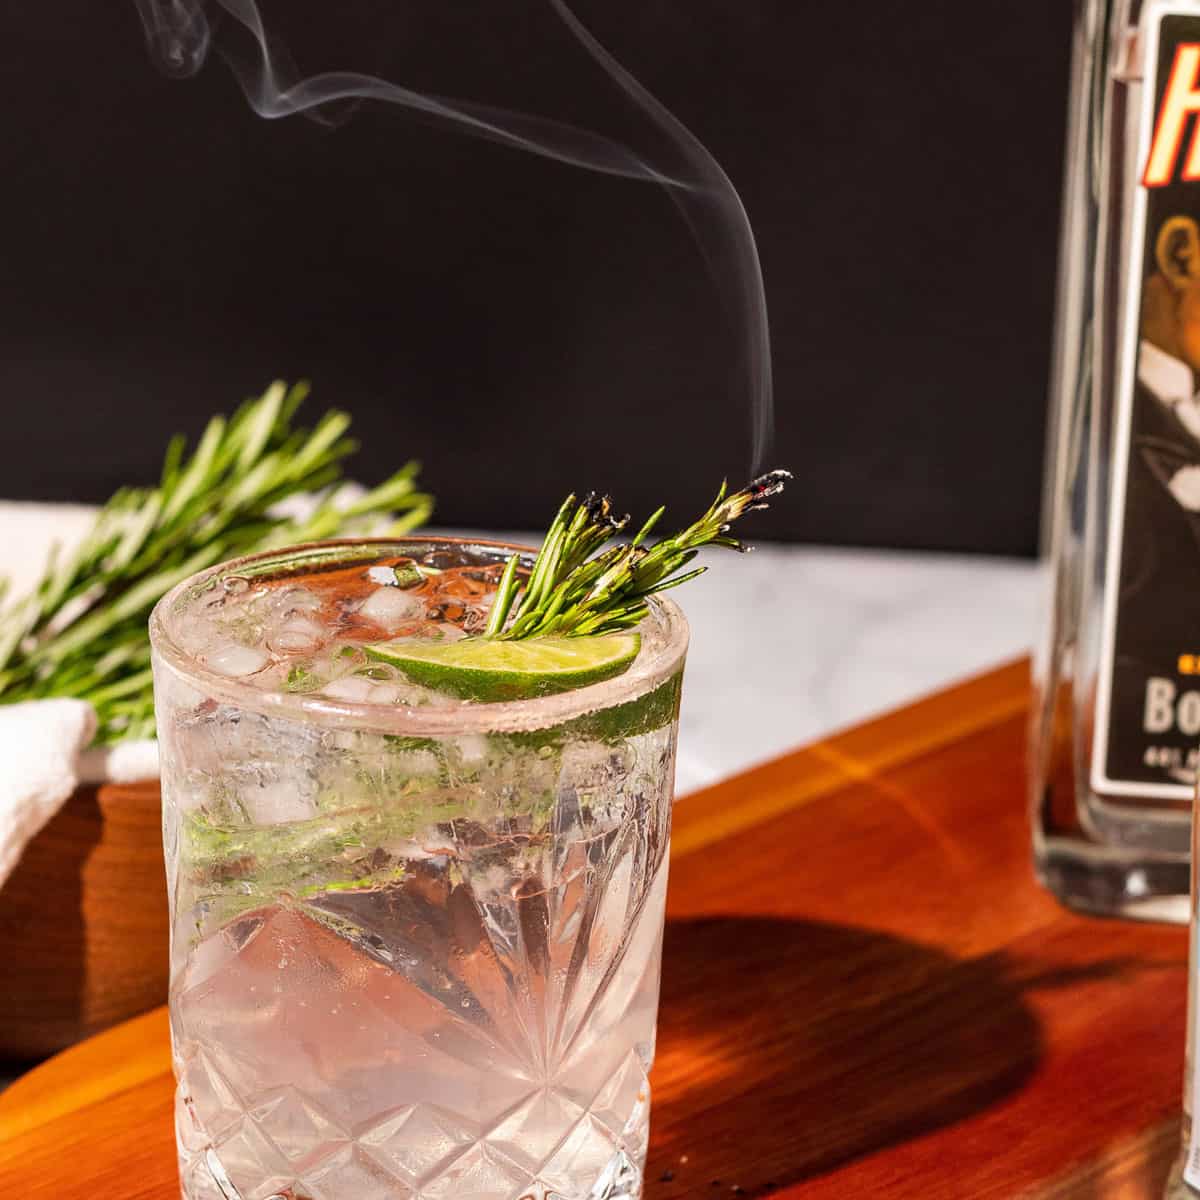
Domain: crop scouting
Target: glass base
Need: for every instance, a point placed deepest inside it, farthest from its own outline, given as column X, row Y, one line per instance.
column 579, row 1164
column 1114, row 881
column 620, row 1179
column 1105, row 855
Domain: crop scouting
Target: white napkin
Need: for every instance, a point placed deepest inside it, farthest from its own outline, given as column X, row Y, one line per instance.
column 40, row 743
column 43, row 743
column 126, row 762
column 43, row 759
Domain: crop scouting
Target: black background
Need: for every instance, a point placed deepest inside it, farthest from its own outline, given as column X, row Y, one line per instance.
column 525, row 328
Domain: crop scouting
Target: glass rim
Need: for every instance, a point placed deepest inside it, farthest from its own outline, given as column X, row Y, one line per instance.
column 459, row 716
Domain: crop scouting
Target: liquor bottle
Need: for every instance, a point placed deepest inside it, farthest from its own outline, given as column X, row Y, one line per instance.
column 1116, row 720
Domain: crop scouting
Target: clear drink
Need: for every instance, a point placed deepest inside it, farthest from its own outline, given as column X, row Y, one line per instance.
column 415, row 940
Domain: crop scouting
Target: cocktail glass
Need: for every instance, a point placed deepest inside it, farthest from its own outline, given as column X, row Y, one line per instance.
column 415, row 940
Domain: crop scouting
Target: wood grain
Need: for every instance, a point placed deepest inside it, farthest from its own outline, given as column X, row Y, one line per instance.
column 83, row 921
column 864, row 994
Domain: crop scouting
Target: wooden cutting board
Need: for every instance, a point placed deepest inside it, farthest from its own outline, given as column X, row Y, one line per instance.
column 864, row 994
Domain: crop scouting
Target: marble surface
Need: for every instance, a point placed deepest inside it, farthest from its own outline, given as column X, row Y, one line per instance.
column 791, row 643
column 788, row 643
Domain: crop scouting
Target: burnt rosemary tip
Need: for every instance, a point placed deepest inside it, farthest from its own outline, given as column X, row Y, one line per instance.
column 770, row 484
column 599, row 508
column 754, row 496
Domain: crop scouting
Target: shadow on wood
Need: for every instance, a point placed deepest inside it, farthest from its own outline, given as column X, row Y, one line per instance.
column 887, row 1039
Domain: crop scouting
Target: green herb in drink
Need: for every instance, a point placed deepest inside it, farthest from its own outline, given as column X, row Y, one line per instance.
column 301, row 679
column 570, row 593
column 565, row 624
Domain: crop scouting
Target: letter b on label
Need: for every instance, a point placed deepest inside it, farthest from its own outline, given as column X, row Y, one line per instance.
column 1163, row 713
column 1159, row 714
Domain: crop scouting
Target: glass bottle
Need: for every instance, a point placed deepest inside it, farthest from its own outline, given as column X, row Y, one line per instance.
column 1116, row 717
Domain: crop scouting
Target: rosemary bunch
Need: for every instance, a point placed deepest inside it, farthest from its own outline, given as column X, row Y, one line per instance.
column 81, row 630
column 573, row 591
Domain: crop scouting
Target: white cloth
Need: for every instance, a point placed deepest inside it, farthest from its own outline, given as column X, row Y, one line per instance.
column 43, row 758
column 43, row 755
column 43, row 743
column 40, row 743
column 126, row 762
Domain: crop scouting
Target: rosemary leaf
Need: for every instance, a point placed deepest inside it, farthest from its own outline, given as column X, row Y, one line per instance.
column 81, row 629
column 575, row 589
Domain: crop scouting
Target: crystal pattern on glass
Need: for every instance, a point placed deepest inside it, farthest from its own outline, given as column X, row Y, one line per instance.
column 413, row 966
column 363, row 1063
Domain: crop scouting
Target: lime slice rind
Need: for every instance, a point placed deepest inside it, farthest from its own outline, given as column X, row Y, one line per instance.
column 491, row 670
column 633, row 718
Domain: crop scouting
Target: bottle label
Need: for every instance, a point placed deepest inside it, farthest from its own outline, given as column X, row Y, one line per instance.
column 1147, row 723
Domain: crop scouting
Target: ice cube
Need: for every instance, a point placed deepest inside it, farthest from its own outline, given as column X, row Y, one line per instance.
column 390, row 607
column 295, row 601
column 360, row 689
column 355, row 689
column 297, row 635
column 278, row 802
column 475, row 621
column 472, row 748
column 236, row 660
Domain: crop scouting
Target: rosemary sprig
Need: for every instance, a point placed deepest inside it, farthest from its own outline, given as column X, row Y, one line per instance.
column 81, row 630
column 572, row 591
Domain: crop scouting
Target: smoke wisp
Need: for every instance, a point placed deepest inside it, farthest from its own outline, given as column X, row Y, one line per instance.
column 179, row 35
